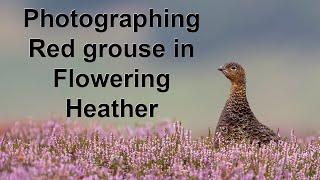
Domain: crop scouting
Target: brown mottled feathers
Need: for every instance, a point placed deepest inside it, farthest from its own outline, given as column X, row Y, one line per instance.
column 237, row 122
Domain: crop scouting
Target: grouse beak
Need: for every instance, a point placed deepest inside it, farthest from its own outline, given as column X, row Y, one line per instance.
column 221, row 68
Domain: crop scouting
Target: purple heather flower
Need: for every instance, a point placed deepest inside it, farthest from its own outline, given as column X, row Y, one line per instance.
column 58, row 150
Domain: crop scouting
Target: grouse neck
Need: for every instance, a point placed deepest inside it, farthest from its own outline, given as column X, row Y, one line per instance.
column 238, row 90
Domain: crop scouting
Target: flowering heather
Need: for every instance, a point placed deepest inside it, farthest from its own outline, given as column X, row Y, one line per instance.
column 56, row 150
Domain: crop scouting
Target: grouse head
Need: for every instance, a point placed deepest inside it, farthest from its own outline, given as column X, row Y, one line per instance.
column 234, row 72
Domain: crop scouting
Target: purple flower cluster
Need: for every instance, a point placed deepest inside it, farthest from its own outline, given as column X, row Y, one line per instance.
column 58, row 150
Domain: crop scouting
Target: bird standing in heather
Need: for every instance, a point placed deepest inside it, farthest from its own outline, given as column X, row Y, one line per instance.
column 237, row 122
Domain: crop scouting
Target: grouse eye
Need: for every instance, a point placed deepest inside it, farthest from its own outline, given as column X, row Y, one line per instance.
column 233, row 68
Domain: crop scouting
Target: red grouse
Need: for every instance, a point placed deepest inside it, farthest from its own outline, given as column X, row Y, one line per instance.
column 237, row 122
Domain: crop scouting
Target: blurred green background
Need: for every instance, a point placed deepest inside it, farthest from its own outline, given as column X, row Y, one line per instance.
column 278, row 42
